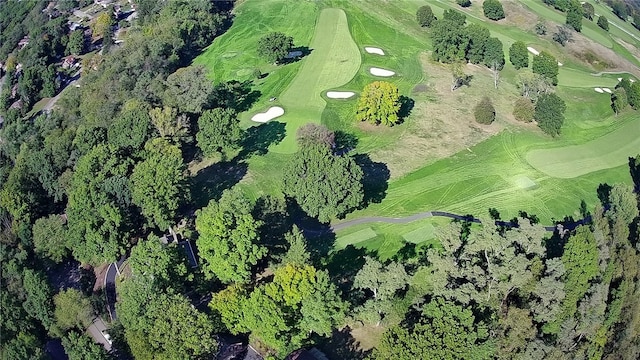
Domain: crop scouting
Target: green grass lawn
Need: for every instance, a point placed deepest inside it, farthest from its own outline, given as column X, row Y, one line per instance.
column 608, row 151
column 333, row 61
column 518, row 169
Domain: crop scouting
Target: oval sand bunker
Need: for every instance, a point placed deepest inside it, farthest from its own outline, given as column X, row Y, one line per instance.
column 270, row 114
column 381, row 72
column 340, row 94
column 599, row 90
column 374, row 50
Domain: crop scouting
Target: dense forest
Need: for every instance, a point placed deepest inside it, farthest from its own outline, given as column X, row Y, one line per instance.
column 104, row 174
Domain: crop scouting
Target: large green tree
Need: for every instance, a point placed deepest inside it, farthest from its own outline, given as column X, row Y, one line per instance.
column 159, row 182
column 218, row 131
column 549, row 113
column 379, row 103
column 98, row 210
column 50, row 238
column 493, row 9
column 274, row 46
column 72, row 309
column 519, row 55
column 478, row 37
column 603, row 23
column 228, row 238
column 38, row 302
column 444, row 331
column 425, row 16
column 324, row 185
column 189, row 90
column 132, row 128
column 546, row 65
column 80, row 346
column 450, row 41
column 574, row 15
column 284, row 313
column 384, row 281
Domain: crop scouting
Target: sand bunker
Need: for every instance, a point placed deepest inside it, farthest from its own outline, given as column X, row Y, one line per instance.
column 533, row 51
column 381, row 72
column 607, row 90
column 619, row 79
column 559, row 63
column 270, row 114
column 340, row 94
column 374, row 50
column 599, row 90
column 632, row 80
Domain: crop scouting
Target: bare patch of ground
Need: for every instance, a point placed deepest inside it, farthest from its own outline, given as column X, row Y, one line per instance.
column 367, row 336
column 442, row 122
column 101, row 272
column 599, row 57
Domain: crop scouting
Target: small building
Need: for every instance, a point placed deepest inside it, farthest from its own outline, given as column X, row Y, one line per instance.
column 98, row 331
column 23, row 42
column 69, row 62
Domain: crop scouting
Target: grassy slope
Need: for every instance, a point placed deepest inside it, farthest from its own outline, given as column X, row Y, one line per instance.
column 487, row 175
column 334, row 60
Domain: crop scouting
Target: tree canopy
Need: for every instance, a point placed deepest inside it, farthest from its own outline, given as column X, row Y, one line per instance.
column 450, row 41
column 379, row 103
column 189, row 90
column 493, row 9
column 603, row 23
column 218, row 131
column 228, row 238
column 274, row 46
column 519, row 55
column 575, row 13
column 324, row 185
column 546, row 65
column 550, row 113
column 424, row 16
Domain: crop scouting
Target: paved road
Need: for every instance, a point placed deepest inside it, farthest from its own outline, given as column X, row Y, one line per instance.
column 110, row 287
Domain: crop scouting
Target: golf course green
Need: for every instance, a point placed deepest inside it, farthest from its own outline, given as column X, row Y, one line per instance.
column 517, row 168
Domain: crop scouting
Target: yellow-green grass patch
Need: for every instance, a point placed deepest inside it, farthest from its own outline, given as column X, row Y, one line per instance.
column 420, row 235
column 354, row 238
column 608, row 151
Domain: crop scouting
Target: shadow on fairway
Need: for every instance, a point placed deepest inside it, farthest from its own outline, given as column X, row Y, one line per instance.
column 406, row 105
column 210, row 182
column 376, row 179
column 236, row 95
column 341, row 345
column 343, row 265
column 259, row 138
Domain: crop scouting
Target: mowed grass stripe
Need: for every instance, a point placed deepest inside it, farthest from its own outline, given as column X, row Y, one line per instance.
column 606, row 152
column 334, row 60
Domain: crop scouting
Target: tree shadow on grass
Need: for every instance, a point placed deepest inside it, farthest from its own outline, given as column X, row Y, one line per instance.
column 342, row 345
column 300, row 51
column 376, row 179
column 343, row 265
column 406, row 105
column 604, row 190
column 210, row 182
column 236, row 95
column 259, row 138
column 344, row 142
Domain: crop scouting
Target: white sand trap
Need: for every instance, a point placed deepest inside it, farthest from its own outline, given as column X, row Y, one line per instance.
column 340, row 94
column 632, row 80
column 270, row 114
column 381, row 72
column 533, row 51
column 619, row 79
column 599, row 90
column 559, row 63
column 607, row 90
column 374, row 50
column 293, row 54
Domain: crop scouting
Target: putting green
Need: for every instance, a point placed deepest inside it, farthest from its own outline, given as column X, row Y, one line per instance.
column 334, row 60
column 606, row 152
